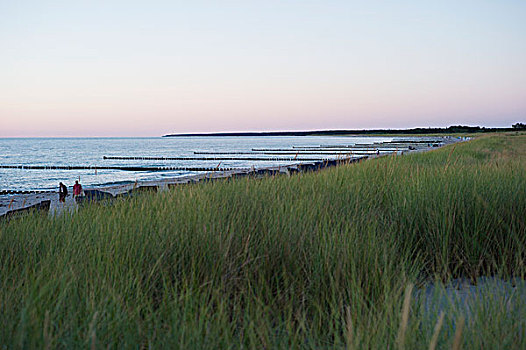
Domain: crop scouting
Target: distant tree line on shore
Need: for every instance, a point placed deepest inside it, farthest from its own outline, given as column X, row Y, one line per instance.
column 454, row 129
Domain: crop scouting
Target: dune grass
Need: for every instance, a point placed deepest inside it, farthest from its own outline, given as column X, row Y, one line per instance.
column 316, row 260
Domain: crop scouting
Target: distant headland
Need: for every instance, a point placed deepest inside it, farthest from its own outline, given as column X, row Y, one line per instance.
column 460, row 129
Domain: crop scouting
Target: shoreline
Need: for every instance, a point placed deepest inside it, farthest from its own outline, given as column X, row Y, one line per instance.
column 20, row 201
column 11, row 202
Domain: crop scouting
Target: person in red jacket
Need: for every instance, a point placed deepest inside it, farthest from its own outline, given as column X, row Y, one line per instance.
column 77, row 189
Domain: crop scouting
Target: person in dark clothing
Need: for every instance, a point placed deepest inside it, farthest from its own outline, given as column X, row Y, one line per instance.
column 62, row 192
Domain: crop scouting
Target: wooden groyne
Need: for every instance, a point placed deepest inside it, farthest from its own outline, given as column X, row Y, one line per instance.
column 273, row 159
column 124, row 168
column 4, row 192
column 344, row 150
column 298, row 152
column 369, row 145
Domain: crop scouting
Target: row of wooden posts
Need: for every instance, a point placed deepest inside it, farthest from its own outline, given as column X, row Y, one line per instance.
column 299, row 153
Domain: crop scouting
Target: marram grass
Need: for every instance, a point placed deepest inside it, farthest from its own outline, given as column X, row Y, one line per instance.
column 317, row 260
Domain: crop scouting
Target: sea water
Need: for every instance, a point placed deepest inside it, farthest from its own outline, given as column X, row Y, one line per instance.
column 90, row 152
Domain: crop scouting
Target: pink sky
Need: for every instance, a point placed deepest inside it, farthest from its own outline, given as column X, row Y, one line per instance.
column 126, row 69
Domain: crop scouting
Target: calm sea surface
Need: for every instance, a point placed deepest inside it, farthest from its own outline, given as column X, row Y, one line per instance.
column 90, row 152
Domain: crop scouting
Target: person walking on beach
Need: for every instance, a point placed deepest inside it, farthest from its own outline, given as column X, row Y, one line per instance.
column 62, row 192
column 77, row 189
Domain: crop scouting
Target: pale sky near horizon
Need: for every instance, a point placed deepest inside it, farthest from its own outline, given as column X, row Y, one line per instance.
column 148, row 68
